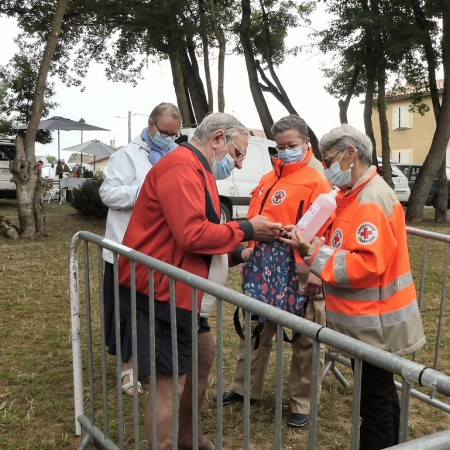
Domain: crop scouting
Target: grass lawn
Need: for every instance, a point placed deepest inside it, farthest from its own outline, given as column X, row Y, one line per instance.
column 36, row 392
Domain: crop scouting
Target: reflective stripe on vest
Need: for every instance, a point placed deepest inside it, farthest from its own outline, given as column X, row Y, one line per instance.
column 339, row 321
column 340, row 263
column 370, row 294
column 340, row 267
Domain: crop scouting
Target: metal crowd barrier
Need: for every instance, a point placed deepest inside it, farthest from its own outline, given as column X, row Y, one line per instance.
column 333, row 357
column 103, row 424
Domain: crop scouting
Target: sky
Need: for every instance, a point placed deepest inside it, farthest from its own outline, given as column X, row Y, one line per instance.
column 106, row 104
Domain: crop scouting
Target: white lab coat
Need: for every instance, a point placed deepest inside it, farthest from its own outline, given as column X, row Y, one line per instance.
column 124, row 175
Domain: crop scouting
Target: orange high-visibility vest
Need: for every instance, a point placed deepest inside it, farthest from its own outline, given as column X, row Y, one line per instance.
column 285, row 193
column 368, row 286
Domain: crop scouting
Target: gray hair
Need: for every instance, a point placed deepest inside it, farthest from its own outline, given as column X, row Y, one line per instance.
column 165, row 109
column 344, row 136
column 291, row 122
column 219, row 121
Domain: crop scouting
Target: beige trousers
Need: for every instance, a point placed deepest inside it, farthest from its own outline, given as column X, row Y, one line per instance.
column 300, row 371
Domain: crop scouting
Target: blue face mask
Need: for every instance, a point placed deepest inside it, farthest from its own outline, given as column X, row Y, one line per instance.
column 222, row 169
column 163, row 143
column 289, row 156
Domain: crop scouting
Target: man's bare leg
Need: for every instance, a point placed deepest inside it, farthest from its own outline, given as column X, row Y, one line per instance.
column 164, row 408
column 206, row 356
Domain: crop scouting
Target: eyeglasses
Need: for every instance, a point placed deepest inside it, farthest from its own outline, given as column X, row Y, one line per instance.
column 327, row 159
column 239, row 152
column 166, row 134
column 282, row 148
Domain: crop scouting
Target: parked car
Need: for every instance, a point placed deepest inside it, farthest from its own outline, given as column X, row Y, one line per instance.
column 87, row 168
column 401, row 186
column 235, row 191
column 411, row 171
column 7, row 153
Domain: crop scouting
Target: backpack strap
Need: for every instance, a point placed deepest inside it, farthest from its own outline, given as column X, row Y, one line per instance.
column 256, row 335
column 258, row 329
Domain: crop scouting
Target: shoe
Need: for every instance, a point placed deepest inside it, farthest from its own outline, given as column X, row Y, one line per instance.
column 298, row 420
column 128, row 387
column 229, row 396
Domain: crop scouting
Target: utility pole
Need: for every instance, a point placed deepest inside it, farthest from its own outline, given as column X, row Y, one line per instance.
column 128, row 118
column 81, row 157
column 129, row 126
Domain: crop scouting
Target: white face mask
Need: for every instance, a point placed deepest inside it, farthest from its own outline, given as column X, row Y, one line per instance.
column 337, row 177
column 222, row 169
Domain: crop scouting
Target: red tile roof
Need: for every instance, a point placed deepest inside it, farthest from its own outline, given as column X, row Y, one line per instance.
column 258, row 133
column 407, row 91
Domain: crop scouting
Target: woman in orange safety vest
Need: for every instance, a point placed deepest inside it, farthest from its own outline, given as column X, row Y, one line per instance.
column 365, row 269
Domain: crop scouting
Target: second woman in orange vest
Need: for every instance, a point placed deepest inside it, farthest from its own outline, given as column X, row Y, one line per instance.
column 365, row 269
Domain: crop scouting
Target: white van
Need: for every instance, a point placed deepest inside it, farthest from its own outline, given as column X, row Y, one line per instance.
column 235, row 191
column 7, row 153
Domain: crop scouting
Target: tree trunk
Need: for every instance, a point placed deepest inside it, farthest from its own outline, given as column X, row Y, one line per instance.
column 384, row 128
column 440, row 212
column 205, row 47
column 42, row 186
column 368, row 106
column 23, row 167
column 258, row 97
column 207, row 74
column 178, row 82
column 421, row 20
column 194, row 83
column 436, row 156
column 284, row 100
column 344, row 104
column 371, row 73
column 221, row 62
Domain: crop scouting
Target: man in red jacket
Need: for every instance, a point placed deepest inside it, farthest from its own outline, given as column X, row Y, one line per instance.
column 176, row 220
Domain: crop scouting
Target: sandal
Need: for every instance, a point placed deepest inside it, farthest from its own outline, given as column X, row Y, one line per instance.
column 128, row 387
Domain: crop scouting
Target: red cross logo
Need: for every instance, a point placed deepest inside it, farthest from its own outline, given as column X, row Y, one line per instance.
column 367, row 233
column 337, row 238
column 278, row 197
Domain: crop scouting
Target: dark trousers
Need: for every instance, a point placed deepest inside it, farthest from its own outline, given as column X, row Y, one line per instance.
column 380, row 409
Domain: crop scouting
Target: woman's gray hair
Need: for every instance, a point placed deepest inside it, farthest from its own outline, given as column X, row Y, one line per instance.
column 344, row 136
column 219, row 121
column 291, row 122
column 165, row 109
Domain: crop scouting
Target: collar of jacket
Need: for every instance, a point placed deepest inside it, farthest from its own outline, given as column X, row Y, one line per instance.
column 349, row 196
column 198, row 154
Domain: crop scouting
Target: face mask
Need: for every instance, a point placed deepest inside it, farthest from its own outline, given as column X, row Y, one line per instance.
column 222, row 169
column 162, row 143
column 289, row 156
column 337, row 177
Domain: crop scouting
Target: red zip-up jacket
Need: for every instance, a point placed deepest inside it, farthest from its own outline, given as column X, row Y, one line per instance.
column 170, row 223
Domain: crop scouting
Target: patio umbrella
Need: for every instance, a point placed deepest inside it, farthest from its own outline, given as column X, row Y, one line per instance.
column 61, row 123
column 93, row 148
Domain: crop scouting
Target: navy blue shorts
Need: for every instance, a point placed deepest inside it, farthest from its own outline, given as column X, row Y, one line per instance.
column 163, row 335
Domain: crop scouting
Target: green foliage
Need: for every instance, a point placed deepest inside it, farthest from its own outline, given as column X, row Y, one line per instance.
column 51, row 159
column 387, row 32
column 270, row 22
column 74, row 157
column 18, row 80
column 86, row 200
